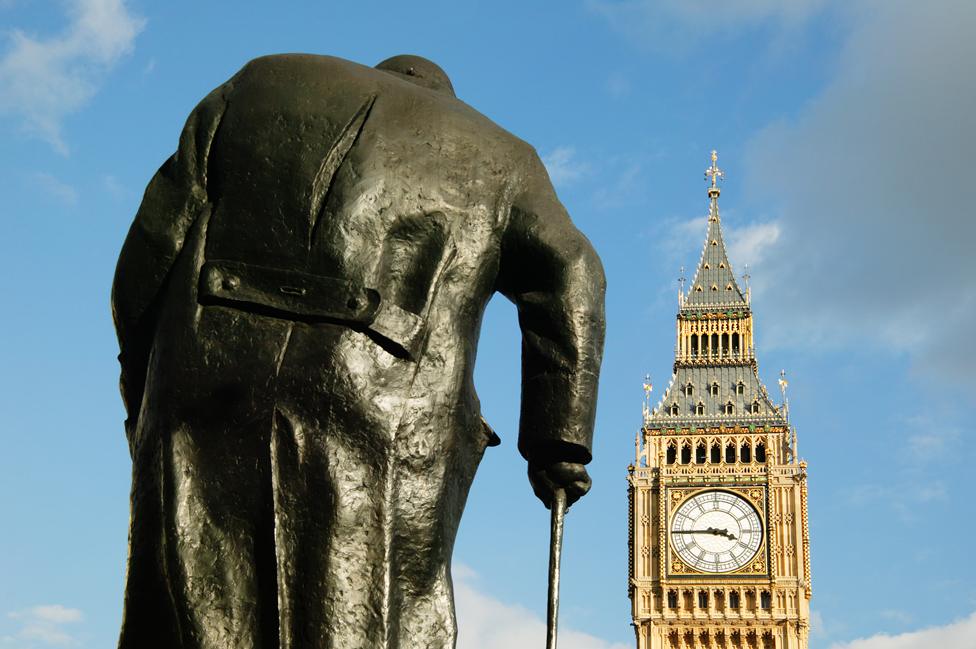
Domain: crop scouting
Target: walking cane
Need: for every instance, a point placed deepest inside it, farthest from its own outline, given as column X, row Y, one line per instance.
column 555, row 550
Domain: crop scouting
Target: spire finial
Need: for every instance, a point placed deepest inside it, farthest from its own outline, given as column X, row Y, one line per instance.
column 681, row 286
column 646, row 408
column 783, row 383
column 715, row 174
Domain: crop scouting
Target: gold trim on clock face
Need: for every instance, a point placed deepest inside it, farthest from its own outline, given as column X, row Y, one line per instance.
column 716, row 531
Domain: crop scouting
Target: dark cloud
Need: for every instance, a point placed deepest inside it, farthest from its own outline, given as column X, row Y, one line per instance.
column 873, row 182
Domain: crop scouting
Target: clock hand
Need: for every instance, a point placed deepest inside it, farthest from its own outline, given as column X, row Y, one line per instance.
column 711, row 530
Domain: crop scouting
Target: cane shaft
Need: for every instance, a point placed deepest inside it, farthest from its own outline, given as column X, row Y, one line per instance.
column 555, row 551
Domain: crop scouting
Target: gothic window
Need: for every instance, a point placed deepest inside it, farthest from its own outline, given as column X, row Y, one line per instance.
column 721, row 264
column 714, row 287
column 730, row 408
column 700, row 453
column 730, row 453
column 728, row 287
column 713, row 388
column 686, row 454
column 760, row 452
column 694, row 344
column 672, row 599
column 690, row 389
column 673, row 409
column 688, row 600
column 740, row 387
column 698, row 289
column 734, row 599
column 766, row 600
column 714, row 242
column 672, row 453
column 754, row 408
column 700, row 408
column 720, row 600
column 703, row 599
column 745, row 453
column 735, row 343
column 725, row 344
column 706, row 266
column 716, row 453
column 750, row 600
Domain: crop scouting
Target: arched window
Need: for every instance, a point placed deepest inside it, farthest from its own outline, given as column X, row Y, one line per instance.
column 694, row 344
column 700, row 408
column 716, row 453
column 750, row 600
column 690, row 389
column 672, row 599
column 745, row 453
column 714, row 345
column 713, row 388
column 703, row 599
column 673, row 409
column 766, row 600
column 735, row 343
column 700, row 453
column 672, row 453
column 760, row 452
column 725, row 344
column 755, row 406
column 730, row 453
column 730, row 408
column 686, row 453
column 734, row 599
column 740, row 387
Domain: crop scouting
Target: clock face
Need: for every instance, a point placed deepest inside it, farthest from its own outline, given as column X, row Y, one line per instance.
column 716, row 531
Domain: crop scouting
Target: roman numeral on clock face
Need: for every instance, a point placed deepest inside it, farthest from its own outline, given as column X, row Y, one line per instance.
column 716, row 531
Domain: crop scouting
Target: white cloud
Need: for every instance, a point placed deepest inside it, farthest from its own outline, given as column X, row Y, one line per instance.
column 486, row 623
column 51, row 187
column 43, row 80
column 957, row 635
column 44, row 625
column 748, row 245
column 676, row 24
column 870, row 183
column 563, row 167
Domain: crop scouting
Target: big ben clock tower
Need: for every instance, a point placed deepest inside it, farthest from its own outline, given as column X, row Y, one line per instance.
column 719, row 541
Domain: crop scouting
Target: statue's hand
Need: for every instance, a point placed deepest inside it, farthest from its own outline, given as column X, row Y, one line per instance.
column 569, row 476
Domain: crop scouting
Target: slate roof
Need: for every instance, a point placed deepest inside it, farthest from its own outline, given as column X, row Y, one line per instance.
column 714, row 276
column 728, row 378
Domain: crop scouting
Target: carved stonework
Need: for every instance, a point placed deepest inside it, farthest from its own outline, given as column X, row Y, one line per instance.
column 770, row 582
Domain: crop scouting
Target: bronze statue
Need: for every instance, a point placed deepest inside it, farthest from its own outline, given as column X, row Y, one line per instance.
column 298, row 305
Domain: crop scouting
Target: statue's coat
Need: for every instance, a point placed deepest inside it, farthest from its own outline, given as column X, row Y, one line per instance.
column 298, row 305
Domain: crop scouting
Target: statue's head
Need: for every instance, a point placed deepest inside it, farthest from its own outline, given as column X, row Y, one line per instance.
column 418, row 70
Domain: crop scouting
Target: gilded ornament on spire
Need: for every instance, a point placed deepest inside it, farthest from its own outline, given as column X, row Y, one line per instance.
column 715, row 174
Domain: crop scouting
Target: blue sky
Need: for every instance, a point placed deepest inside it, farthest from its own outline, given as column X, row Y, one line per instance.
column 845, row 129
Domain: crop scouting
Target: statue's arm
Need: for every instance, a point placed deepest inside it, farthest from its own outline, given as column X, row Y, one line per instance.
column 173, row 199
column 553, row 275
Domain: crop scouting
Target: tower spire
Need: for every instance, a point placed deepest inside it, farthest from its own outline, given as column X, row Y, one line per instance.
column 714, row 284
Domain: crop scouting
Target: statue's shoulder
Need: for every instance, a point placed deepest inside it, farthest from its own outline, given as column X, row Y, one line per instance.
column 304, row 64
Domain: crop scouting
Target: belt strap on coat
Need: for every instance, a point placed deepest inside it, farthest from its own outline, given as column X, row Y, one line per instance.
column 302, row 296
